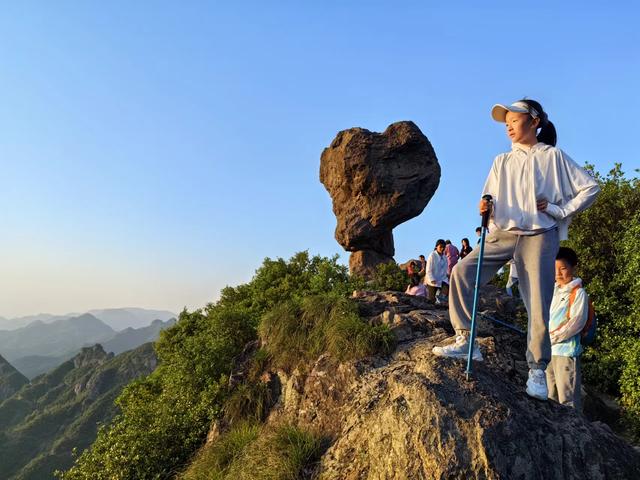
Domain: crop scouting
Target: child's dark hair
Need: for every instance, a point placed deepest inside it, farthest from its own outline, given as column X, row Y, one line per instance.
column 414, row 279
column 440, row 242
column 547, row 133
column 478, row 229
column 465, row 240
column 568, row 255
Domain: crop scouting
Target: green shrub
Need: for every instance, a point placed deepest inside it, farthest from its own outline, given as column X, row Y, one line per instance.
column 630, row 384
column 164, row 418
column 278, row 280
column 389, row 276
column 501, row 278
column 605, row 236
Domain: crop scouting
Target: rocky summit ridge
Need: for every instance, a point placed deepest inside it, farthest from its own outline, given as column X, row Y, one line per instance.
column 412, row 415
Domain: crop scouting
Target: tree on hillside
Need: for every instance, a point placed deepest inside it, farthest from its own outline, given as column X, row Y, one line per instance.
column 606, row 237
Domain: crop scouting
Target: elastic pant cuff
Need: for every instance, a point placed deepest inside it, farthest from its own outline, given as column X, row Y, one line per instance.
column 538, row 366
column 464, row 333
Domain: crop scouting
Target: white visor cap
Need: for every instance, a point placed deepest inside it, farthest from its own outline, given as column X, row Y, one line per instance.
column 499, row 111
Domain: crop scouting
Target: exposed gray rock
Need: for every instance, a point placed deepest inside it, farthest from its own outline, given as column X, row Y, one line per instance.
column 415, row 416
column 94, row 356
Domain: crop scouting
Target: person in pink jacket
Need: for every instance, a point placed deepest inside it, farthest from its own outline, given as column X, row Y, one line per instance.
column 452, row 253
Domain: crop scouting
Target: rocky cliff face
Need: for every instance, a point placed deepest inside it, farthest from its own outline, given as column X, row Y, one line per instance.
column 11, row 380
column 376, row 182
column 46, row 419
column 415, row 416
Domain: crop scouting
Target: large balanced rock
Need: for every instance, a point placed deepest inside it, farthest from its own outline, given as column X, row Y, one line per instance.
column 377, row 181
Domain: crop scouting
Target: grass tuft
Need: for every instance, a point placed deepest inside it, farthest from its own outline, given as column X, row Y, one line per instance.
column 248, row 453
column 249, row 401
column 298, row 331
column 214, row 461
column 284, row 453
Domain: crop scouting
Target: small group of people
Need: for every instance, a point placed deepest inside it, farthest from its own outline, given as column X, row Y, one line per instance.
column 529, row 214
column 430, row 276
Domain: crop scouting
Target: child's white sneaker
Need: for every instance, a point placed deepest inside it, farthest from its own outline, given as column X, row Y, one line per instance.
column 537, row 384
column 458, row 349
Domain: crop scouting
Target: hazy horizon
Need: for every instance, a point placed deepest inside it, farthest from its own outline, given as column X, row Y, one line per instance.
column 153, row 153
column 82, row 312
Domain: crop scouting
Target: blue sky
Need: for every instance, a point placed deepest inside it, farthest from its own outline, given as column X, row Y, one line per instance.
column 154, row 152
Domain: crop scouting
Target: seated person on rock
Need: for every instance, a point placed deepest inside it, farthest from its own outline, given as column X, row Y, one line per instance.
column 569, row 312
column 416, row 287
column 435, row 277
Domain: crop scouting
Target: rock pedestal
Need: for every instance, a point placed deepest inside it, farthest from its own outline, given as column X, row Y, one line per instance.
column 377, row 181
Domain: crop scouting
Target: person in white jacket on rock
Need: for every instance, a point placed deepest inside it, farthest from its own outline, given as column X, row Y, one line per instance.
column 535, row 188
column 435, row 276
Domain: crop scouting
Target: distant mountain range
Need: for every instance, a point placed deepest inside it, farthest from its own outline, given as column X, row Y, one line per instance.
column 117, row 318
column 132, row 337
column 54, row 339
column 19, row 322
column 121, row 318
column 43, row 421
column 39, row 346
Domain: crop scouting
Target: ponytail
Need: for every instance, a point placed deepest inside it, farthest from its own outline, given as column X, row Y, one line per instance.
column 547, row 132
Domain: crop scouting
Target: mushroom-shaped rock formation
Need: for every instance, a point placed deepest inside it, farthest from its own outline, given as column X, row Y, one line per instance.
column 377, row 181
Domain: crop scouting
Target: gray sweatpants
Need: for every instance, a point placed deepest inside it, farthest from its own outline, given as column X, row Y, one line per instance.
column 564, row 380
column 534, row 256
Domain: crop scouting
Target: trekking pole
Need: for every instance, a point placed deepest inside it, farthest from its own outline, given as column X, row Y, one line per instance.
column 504, row 324
column 472, row 337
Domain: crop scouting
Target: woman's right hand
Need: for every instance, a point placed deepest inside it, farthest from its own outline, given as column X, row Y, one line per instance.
column 484, row 206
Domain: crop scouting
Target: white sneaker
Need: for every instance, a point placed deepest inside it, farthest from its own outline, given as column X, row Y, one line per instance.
column 459, row 349
column 537, row 384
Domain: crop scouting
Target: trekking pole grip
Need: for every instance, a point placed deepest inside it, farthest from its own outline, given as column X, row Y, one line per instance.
column 487, row 214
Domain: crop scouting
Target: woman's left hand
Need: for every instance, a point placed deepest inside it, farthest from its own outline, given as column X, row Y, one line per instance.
column 542, row 205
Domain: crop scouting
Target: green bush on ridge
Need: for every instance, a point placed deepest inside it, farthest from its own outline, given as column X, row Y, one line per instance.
column 606, row 237
column 389, row 276
column 165, row 417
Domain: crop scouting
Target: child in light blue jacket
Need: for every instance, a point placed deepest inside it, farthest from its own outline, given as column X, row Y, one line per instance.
column 569, row 313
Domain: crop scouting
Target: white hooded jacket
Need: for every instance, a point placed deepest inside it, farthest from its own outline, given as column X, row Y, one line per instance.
column 436, row 270
column 521, row 177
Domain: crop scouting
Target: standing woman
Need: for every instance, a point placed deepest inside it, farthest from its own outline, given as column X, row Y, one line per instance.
column 536, row 188
column 466, row 248
column 436, row 272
